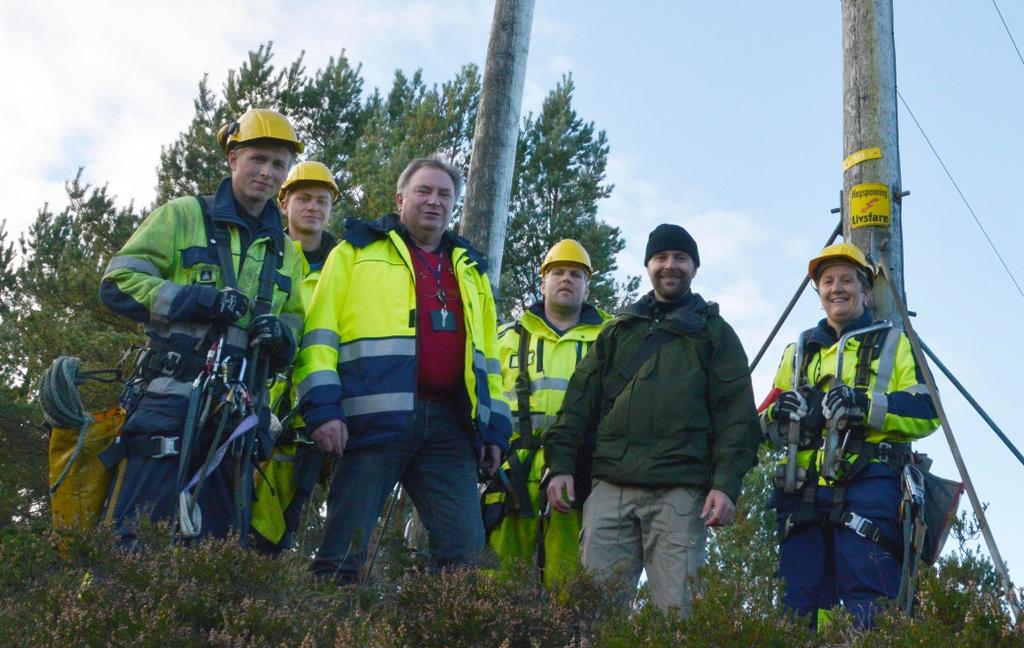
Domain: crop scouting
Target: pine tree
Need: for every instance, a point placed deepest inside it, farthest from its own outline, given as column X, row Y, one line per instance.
column 325, row 110
column 331, row 117
column 53, row 306
column 559, row 180
column 194, row 163
column 412, row 121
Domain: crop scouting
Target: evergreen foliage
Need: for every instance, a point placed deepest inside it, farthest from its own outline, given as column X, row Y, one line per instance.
column 23, row 475
column 52, row 306
column 561, row 162
column 412, row 121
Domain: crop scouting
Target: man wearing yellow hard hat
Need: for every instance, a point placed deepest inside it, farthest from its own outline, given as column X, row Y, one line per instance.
column 538, row 354
column 285, row 482
column 216, row 285
column 847, row 400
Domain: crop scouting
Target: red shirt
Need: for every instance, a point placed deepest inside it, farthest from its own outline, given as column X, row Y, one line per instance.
column 440, row 355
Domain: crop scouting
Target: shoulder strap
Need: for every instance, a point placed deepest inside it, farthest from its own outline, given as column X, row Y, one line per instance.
column 870, row 348
column 806, row 362
column 219, row 242
column 523, row 383
column 654, row 340
column 219, row 239
column 272, row 260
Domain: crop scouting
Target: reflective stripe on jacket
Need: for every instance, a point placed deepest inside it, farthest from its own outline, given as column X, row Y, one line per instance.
column 551, row 362
column 167, row 276
column 358, row 356
column 310, row 277
column 901, row 409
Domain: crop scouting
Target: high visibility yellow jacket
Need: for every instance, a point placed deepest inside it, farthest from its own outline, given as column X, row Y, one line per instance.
column 358, row 357
column 901, row 409
column 167, row 275
column 311, row 272
column 552, row 359
column 310, row 277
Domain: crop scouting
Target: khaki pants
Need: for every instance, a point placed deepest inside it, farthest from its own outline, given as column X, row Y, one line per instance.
column 627, row 529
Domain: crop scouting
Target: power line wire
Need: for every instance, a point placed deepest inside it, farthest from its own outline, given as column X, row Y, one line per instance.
column 962, row 196
column 1007, row 28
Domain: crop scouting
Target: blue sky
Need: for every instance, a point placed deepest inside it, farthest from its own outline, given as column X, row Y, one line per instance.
column 724, row 117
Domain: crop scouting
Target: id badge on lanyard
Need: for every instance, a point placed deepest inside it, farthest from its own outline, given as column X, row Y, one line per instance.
column 441, row 318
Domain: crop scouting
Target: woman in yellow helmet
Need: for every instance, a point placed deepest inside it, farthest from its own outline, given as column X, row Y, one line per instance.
column 847, row 401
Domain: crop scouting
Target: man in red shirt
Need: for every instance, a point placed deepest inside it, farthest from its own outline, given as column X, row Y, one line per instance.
column 398, row 375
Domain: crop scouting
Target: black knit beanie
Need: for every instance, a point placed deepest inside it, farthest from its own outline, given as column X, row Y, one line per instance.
column 671, row 237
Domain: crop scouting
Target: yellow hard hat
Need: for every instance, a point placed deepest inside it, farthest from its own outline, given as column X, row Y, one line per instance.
column 259, row 123
column 310, row 173
column 567, row 251
column 840, row 252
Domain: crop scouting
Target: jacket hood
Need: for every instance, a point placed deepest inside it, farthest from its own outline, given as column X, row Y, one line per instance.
column 361, row 233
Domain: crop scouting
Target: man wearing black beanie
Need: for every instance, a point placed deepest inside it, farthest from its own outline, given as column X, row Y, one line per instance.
column 667, row 389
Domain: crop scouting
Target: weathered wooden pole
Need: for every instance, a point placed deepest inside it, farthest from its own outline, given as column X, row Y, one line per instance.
column 872, row 194
column 489, row 186
column 871, row 159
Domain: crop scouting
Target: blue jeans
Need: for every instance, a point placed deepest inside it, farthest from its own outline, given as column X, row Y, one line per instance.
column 436, row 464
column 827, row 565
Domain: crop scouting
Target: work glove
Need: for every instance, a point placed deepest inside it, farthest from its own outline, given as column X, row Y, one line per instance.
column 790, row 406
column 855, row 400
column 230, row 306
column 267, row 332
column 814, row 420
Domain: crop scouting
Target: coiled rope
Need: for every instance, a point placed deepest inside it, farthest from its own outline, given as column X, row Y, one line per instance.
column 62, row 403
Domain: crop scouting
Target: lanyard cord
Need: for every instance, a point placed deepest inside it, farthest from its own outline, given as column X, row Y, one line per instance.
column 441, row 296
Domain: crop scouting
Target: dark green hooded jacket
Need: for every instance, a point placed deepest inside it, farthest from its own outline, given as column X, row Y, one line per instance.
column 686, row 418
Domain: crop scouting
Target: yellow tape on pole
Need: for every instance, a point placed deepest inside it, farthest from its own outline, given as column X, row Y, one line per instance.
column 862, row 155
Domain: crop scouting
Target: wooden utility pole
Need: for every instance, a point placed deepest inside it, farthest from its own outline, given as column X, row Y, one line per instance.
column 489, row 187
column 871, row 200
column 871, row 157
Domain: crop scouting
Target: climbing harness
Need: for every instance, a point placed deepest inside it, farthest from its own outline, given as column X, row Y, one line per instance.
column 847, row 419
column 793, row 437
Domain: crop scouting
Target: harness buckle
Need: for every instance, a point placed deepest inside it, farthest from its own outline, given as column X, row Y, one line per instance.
column 857, row 523
column 171, row 362
column 168, row 447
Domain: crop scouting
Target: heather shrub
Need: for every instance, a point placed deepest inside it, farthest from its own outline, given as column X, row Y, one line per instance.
column 215, row 593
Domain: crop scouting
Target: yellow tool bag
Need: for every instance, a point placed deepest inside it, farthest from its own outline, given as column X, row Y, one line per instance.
column 78, row 479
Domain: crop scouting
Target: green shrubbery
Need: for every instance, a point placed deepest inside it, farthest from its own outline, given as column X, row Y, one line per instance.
column 218, row 594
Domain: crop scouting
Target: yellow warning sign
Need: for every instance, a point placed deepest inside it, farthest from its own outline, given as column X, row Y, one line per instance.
column 869, row 205
column 856, row 158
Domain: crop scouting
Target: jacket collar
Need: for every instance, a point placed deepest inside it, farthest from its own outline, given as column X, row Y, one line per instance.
column 327, row 243
column 361, row 233
column 689, row 318
column 824, row 336
column 589, row 315
column 226, row 209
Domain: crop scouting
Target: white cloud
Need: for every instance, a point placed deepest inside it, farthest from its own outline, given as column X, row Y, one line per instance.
column 560, row 64
column 105, row 84
column 731, row 244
